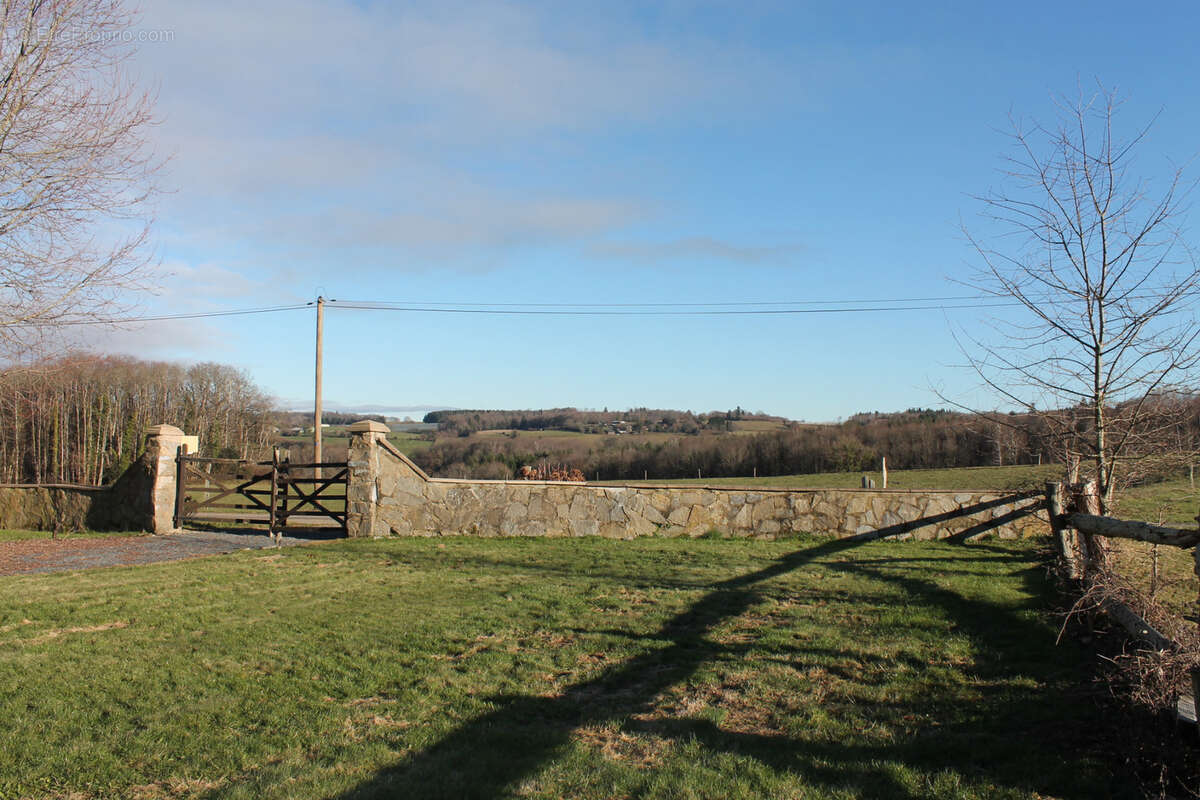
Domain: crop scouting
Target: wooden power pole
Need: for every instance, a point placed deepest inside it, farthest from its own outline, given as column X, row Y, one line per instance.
column 317, row 399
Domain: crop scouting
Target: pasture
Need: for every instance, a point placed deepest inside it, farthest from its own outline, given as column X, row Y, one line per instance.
column 336, row 438
column 583, row 668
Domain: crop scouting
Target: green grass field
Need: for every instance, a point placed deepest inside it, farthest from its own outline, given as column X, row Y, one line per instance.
column 407, row 443
column 19, row 535
column 1173, row 503
column 582, row 668
column 555, row 438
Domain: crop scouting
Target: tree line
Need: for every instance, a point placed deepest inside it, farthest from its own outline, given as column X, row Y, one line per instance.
column 82, row 419
column 913, row 439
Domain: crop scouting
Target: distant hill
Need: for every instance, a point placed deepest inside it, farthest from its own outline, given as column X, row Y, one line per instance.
column 666, row 443
column 635, row 420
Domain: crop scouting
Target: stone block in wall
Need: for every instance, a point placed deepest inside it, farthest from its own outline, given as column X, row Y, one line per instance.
column 744, row 518
column 653, row 516
column 640, row 526
column 699, row 520
column 584, row 527
column 663, row 503
column 679, row 516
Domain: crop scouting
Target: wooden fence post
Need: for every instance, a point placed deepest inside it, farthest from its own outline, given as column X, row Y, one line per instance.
column 1097, row 551
column 1059, row 529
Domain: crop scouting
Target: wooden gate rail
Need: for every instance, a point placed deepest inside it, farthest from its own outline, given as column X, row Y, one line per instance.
column 235, row 486
column 316, row 498
column 263, row 492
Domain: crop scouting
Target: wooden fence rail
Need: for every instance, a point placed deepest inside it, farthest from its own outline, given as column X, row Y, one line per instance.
column 1078, row 532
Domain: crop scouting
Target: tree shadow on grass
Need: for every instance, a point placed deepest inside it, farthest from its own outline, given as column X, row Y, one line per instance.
column 257, row 533
column 1012, row 736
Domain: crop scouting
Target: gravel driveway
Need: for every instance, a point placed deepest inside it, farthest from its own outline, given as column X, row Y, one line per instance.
column 59, row 555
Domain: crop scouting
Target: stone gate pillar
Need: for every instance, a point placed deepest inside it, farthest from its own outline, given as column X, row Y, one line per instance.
column 362, row 490
column 162, row 446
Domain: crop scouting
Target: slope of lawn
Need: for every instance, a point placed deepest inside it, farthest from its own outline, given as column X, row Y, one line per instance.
column 584, row 668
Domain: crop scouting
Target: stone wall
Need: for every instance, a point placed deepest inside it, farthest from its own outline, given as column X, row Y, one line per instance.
column 389, row 495
column 51, row 508
column 143, row 498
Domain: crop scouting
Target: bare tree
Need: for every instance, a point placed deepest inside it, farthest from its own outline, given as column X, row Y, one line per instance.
column 1091, row 255
column 76, row 173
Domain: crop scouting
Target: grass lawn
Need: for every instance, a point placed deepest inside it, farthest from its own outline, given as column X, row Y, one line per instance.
column 457, row 668
column 1173, row 503
column 18, row 535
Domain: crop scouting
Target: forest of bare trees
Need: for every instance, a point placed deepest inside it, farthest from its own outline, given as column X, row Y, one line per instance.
column 913, row 439
column 82, row 419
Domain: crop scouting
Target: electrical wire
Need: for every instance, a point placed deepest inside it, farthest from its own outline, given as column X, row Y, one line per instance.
column 648, row 309
column 236, row 312
column 381, row 303
column 591, row 312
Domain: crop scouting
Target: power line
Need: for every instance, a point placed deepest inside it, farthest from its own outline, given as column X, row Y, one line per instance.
column 592, row 312
column 648, row 309
column 382, row 303
column 236, row 312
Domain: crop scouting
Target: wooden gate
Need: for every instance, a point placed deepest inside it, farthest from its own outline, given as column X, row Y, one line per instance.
column 275, row 493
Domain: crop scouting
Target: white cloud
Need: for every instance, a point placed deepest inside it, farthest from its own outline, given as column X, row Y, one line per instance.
column 191, row 287
column 479, row 62
column 693, row 248
column 440, row 129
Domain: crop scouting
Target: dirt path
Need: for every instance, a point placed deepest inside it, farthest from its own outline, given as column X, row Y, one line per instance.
column 59, row 555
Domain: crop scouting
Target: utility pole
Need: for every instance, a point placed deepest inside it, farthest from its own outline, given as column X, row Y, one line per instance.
column 317, row 401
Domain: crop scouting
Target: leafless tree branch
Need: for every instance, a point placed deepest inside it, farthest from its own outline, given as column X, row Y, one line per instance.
column 76, row 171
column 1106, row 286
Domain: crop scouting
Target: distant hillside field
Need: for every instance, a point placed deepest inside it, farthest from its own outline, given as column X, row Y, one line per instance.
column 658, row 444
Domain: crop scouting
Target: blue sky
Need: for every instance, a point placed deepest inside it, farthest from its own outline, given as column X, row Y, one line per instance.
column 558, row 153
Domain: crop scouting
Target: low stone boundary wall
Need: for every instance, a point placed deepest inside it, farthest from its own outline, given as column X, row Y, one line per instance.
column 143, row 498
column 54, row 507
column 389, row 495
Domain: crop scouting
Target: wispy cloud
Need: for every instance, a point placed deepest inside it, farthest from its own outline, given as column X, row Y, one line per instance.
column 192, row 287
column 510, row 66
column 422, row 128
column 694, row 248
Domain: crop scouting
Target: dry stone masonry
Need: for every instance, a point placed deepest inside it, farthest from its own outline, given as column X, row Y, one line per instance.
column 389, row 495
column 143, row 498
